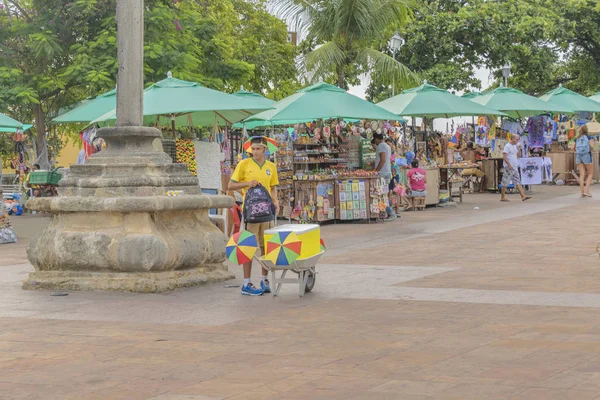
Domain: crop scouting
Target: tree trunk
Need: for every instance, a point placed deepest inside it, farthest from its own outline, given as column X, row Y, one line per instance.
column 341, row 81
column 41, row 146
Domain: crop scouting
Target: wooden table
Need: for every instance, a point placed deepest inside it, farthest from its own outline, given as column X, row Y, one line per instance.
column 448, row 172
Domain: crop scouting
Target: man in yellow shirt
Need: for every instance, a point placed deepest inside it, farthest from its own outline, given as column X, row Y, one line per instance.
column 252, row 172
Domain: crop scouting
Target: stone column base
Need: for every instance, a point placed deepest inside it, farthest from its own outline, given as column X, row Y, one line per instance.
column 141, row 282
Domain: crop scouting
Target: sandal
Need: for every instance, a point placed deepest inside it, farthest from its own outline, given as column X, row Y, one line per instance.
column 587, row 194
column 526, row 198
column 505, row 200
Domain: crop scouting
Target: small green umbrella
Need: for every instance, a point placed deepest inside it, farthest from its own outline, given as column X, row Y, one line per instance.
column 182, row 103
column 322, row 101
column 255, row 97
column 25, row 127
column 517, row 104
column 432, row 102
column 567, row 98
column 471, row 95
column 89, row 109
column 8, row 122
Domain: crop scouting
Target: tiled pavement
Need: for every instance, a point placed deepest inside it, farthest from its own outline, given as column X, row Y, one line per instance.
column 496, row 303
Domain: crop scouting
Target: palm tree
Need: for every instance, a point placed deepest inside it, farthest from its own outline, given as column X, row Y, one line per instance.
column 345, row 31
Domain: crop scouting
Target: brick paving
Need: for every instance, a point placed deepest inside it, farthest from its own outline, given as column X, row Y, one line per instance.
column 502, row 302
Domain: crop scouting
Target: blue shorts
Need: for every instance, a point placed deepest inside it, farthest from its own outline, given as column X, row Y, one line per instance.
column 418, row 193
column 586, row 159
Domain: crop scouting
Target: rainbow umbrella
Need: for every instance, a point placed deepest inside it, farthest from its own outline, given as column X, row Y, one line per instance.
column 271, row 144
column 322, row 246
column 283, row 248
column 241, row 247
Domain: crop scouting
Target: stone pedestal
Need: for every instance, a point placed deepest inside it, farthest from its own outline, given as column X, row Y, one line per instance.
column 114, row 228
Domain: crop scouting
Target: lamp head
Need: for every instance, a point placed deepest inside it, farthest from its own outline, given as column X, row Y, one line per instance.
column 506, row 70
column 396, row 42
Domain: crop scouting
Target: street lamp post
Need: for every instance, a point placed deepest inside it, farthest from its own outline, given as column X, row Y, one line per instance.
column 506, row 73
column 395, row 43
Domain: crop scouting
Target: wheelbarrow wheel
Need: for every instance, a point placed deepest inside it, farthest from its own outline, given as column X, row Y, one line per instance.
column 310, row 282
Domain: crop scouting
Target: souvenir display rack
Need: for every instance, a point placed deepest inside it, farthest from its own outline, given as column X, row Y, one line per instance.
column 314, row 201
column 360, row 197
column 284, row 161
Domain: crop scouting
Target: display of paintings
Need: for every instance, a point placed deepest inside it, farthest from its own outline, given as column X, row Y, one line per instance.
column 353, row 199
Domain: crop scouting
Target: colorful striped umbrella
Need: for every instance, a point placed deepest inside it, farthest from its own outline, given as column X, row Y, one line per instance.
column 322, row 246
column 242, row 247
column 267, row 141
column 283, row 248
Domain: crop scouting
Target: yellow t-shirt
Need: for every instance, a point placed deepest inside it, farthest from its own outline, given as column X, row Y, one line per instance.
column 249, row 170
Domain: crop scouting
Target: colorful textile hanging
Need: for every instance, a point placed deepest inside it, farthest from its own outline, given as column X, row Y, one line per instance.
column 535, row 128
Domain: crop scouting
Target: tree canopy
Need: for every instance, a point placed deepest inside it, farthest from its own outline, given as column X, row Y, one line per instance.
column 547, row 42
column 56, row 52
column 342, row 37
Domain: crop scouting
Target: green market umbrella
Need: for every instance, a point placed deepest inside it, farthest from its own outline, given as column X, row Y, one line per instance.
column 568, row 98
column 517, row 104
column 322, row 101
column 182, row 103
column 432, row 102
column 90, row 109
column 471, row 95
column 8, row 122
column 25, row 127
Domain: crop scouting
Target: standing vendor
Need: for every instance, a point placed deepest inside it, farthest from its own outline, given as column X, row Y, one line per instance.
column 252, row 172
column 383, row 166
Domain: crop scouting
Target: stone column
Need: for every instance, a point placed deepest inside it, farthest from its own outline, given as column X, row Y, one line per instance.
column 130, row 52
column 113, row 227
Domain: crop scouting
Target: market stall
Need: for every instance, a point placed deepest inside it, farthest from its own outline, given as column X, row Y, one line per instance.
column 435, row 151
column 329, row 150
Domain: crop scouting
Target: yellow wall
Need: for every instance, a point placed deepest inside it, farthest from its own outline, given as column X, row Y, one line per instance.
column 68, row 155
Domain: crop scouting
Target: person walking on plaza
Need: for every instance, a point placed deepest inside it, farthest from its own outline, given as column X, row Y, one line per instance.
column 511, row 168
column 383, row 166
column 583, row 152
column 250, row 173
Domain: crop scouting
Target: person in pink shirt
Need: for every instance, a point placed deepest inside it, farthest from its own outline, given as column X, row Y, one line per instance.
column 417, row 180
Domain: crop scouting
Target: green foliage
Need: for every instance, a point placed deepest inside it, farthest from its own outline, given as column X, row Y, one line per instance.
column 342, row 35
column 449, row 39
column 54, row 53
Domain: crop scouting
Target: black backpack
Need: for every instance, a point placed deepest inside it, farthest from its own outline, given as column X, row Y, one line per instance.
column 258, row 205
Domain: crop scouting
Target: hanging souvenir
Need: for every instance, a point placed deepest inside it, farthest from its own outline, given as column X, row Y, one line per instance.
column 343, row 124
column 338, row 130
column 317, row 134
column 326, row 132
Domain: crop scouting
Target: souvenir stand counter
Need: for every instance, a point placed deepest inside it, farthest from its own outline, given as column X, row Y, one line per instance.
column 328, row 182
